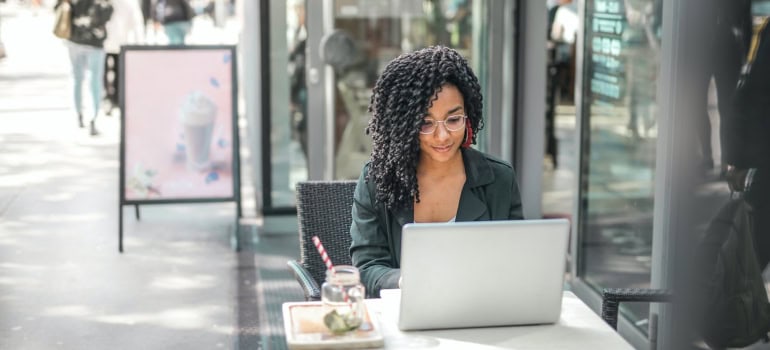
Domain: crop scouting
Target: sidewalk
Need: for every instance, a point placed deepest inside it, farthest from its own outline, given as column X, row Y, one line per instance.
column 63, row 284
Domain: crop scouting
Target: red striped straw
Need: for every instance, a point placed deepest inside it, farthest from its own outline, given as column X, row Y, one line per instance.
column 327, row 261
column 322, row 252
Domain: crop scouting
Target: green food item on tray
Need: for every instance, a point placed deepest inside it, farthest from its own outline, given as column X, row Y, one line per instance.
column 339, row 324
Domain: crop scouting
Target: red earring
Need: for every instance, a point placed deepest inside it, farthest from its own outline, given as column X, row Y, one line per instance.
column 468, row 134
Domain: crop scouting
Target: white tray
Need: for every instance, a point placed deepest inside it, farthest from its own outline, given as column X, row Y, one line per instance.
column 303, row 323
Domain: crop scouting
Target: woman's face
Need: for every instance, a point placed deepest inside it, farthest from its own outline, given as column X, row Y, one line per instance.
column 442, row 144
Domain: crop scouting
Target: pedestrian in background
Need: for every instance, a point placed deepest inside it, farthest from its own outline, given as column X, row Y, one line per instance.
column 125, row 27
column 176, row 18
column 86, row 50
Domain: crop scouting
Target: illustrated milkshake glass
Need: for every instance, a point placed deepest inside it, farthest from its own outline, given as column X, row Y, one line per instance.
column 197, row 116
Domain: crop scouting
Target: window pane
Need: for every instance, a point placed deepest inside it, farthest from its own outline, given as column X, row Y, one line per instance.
column 560, row 164
column 619, row 138
column 288, row 100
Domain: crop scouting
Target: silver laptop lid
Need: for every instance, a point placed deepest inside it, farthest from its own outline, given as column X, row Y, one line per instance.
column 482, row 273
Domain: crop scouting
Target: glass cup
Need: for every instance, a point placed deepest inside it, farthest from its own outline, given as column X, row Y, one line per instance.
column 343, row 295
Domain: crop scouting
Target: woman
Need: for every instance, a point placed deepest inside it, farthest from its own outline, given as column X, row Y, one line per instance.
column 86, row 51
column 426, row 112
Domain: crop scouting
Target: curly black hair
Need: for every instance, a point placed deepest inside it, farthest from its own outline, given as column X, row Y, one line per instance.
column 400, row 100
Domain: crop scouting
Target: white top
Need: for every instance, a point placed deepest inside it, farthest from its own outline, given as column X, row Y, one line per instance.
column 566, row 24
column 578, row 328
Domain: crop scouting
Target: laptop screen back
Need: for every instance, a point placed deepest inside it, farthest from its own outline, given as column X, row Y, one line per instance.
column 482, row 273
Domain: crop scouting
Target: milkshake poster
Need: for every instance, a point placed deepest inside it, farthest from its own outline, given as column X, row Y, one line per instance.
column 178, row 124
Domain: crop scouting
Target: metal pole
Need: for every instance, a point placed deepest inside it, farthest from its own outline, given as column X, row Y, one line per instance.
column 120, row 228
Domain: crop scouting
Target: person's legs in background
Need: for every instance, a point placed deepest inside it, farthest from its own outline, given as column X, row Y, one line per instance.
column 78, row 60
column 175, row 37
column 96, row 67
column 758, row 196
column 116, row 82
column 729, row 59
column 176, row 32
column 110, row 81
column 703, row 126
column 551, row 145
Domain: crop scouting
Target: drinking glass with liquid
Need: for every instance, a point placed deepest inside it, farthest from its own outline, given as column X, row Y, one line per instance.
column 343, row 299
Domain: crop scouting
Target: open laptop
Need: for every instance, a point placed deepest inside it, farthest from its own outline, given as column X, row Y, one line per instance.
column 482, row 273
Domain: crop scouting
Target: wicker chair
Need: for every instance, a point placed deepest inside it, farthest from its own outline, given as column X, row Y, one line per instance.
column 323, row 210
column 612, row 297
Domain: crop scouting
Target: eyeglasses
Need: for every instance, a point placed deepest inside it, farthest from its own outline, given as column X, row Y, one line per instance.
column 452, row 123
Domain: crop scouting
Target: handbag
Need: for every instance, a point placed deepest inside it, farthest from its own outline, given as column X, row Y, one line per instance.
column 63, row 21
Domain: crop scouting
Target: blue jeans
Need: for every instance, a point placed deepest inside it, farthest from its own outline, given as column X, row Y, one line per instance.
column 85, row 57
column 177, row 31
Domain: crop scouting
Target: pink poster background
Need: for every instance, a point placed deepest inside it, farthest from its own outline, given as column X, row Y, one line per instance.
column 155, row 86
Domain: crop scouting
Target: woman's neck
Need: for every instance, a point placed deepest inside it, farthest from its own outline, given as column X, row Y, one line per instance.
column 428, row 167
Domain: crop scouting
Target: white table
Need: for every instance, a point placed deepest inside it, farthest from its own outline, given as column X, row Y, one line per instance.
column 578, row 328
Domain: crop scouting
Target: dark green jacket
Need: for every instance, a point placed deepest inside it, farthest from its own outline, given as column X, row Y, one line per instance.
column 490, row 193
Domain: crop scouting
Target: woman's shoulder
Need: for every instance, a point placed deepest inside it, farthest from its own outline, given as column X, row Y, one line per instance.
column 366, row 190
column 502, row 169
column 363, row 180
column 484, row 169
column 364, row 172
column 494, row 162
column 497, row 162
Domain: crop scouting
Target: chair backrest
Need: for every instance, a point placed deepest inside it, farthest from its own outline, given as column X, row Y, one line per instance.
column 324, row 210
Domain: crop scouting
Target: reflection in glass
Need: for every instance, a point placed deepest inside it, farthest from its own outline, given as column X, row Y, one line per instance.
column 560, row 163
column 619, row 138
column 288, row 104
column 729, row 86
